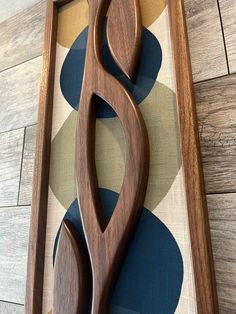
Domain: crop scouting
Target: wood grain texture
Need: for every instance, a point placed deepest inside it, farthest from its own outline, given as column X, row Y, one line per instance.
column 205, row 39
column 11, row 145
column 124, row 30
column 10, row 308
column 216, row 107
column 35, row 268
column 21, row 36
column 19, row 92
column 194, row 185
column 12, row 7
column 228, row 14
column 71, row 293
column 222, row 214
column 107, row 240
column 34, row 299
column 25, row 196
column 14, row 222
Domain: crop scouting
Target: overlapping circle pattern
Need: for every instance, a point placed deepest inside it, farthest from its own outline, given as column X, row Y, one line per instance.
column 151, row 276
column 73, row 67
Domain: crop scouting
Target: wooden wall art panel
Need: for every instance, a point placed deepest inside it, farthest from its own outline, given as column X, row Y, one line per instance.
column 119, row 223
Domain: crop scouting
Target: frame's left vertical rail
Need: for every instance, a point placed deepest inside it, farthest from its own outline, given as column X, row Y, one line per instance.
column 36, row 250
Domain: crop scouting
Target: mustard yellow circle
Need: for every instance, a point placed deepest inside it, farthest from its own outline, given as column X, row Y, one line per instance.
column 151, row 10
column 74, row 17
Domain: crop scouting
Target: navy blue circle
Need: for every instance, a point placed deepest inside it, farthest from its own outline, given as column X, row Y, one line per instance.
column 73, row 67
column 151, row 275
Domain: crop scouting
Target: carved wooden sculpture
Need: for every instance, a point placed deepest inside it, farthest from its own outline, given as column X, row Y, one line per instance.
column 106, row 240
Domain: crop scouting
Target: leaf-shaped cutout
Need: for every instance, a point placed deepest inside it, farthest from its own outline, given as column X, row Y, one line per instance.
column 71, row 276
column 124, row 29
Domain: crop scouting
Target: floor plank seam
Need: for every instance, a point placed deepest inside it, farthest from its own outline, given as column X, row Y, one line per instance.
column 9, row 302
column 25, row 126
column 14, row 206
column 21, row 166
column 220, row 193
column 213, row 78
column 21, row 63
column 223, row 34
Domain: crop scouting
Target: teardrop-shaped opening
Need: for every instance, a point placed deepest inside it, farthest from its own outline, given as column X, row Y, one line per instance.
column 109, row 156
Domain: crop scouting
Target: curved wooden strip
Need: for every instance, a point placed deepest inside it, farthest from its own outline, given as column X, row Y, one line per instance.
column 71, row 278
column 107, row 243
column 124, row 30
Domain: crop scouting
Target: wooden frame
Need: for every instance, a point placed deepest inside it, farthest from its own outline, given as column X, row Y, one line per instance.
column 196, row 203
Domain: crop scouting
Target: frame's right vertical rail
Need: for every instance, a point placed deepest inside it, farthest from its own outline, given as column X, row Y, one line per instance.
column 194, row 184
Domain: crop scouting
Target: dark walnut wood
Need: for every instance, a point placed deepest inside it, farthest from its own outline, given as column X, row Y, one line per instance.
column 35, row 270
column 71, row 277
column 107, row 241
column 194, row 185
column 124, row 30
column 198, row 221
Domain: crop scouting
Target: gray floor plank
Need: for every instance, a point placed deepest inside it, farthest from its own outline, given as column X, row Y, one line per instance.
column 27, row 167
column 11, row 146
column 228, row 13
column 14, row 225
column 205, row 39
column 22, row 36
column 10, row 308
column 19, row 95
column 222, row 213
column 11, row 7
column 216, row 107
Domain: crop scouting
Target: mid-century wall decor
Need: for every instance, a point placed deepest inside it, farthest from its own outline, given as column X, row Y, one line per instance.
column 119, row 223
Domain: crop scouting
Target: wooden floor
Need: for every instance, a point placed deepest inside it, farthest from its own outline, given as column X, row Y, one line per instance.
column 212, row 37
